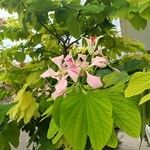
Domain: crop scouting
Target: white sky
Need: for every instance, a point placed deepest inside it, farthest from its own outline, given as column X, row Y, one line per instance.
column 4, row 14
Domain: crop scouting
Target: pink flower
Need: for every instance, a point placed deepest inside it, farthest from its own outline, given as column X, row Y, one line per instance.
column 72, row 68
column 99, row 62
column 58, row 61
column 92, row 43
column 94, row 81
column 82, row 61
column 60, row 88
column 69, row 67
column 50, row 73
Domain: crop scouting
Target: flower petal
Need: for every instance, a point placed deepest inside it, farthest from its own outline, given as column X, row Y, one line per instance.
column 60, row 88
column 74, row 74
column 99, row 62
column 58, row 60
column 49, row 73
column 70, row 62
column 94, row 81
column 81, row 61
column 82, row 57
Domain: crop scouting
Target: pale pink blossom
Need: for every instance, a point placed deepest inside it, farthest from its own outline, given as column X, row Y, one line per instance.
column 92, row 43
column 68, row 67
column 50, row 73
column 58, row 61
column 82, row 61
column 72, row 68
column 60, row 88
column 99, row 62
column 94, row 81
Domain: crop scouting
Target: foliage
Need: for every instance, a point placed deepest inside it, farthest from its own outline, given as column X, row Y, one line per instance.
column 81, row 117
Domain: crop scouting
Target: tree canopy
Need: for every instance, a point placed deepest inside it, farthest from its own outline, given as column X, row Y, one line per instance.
column 86, row 117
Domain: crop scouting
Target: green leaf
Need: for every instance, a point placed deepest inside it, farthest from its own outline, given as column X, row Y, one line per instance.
column 146, row 13
column 139, row 82
column 3, row 111
column 62, row 15
column 57, row 137
column 20, row 56
column 92, row 9
column 73, row 26
column 145, row 99
column 115, row 78
column 56, row 111
column 9, row 134
column 113, row 141
column 85, row 115
column 138, row 22
column 134, row 65
column 53, row 129
column 126, row 115
column 119, row 4
column 33, row 78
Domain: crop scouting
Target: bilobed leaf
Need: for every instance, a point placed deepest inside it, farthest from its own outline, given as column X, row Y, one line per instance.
column 145, row 99
column 126, row 115
column 113, row 141
column 139, row 82
column 115, row 78
column 86, row 114
column 74, row 26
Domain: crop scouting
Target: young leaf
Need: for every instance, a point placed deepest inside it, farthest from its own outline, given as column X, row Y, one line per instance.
column 25, row 109
column 83, row 115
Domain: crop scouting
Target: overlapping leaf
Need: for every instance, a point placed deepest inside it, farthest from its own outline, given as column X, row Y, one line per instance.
column 139, row 82
column 83, row 115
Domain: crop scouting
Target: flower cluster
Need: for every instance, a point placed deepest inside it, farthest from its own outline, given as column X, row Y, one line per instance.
column 69, row 67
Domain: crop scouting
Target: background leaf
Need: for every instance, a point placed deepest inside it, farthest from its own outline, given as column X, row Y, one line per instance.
column 139, row 82
column 126, row 114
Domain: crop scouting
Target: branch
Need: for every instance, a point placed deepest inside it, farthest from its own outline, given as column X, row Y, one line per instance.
column 73, row 42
